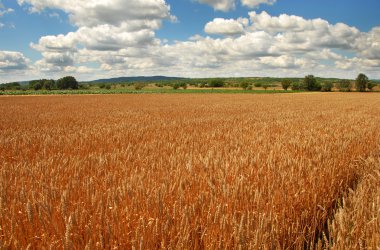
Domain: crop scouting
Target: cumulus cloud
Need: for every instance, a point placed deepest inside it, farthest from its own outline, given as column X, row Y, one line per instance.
column 11, row 61
column 298, row 33
column 222, row 5
column 368, row 44
column 356, row 63
column 284, row 61
column 291, row 44
column 226, row 5
column 91, row 13
column 261, row 44
column 255, row 3
column 101, row 26
column 227, row 27
column 59, row 59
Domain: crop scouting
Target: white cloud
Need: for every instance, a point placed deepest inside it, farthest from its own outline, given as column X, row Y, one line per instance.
column 4, row 11
column 91, row 13
column 261, row 45
column 12, row 61
column 222, row 5
column 284, row 61
column 102, row 26
column 298, row 33
column 227, row 27
column 368, row 44
column 58, row 59
column 226, row 5
column 255, row 3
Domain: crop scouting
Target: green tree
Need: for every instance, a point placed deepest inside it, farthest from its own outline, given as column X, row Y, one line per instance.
column 327, row 86
column 244, row 85
column 297, row 86
column 216, row 83
column 33, row 83
column 344, row 86
column 67, row 82
column 48, row 84
column 286, row 83
column 184, row 85
column 311, row 83
column 12, row 86
column 265, row 86
column 257, row 84
column 371, row 85
column 176, row 85
column 37, row 86
column 361, row 82
column 139, row 86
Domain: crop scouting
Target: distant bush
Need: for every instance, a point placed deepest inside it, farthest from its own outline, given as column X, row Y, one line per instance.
column 102, row 85
column 311, row 83
column 139, row 86
column 67, row 82
column 176, row 86
column 159, row 85
column 108, row 86
column 371, row 85
column 344, row 86
column 10, row 86
column 216, row 83
column 84, row 86
column 361, row 82
column 327, row 87
column 37, row 86
column 202, row 85
column 183, row 85
column 244, row 85
column 286, row 83
column 265, row 86
column 257, row 84
column 49, row 84
column 42, row 84
column 297, row 86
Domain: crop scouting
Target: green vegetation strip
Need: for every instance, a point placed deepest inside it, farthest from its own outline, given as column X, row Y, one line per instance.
column 143, row 91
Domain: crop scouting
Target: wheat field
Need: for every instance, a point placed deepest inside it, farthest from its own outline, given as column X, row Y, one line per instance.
column 188, row 171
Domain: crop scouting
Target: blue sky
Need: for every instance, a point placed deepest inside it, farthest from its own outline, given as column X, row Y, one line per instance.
column 192, row 38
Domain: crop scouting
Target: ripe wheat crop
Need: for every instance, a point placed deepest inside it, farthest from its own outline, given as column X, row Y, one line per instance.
column 180, row 171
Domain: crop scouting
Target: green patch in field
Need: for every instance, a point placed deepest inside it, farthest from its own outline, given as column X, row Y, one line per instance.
column 143, row 91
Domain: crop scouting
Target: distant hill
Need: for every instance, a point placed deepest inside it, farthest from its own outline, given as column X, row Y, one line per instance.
column 136, row 79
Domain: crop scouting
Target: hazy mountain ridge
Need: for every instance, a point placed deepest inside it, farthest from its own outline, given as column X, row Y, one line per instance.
column 136, row 79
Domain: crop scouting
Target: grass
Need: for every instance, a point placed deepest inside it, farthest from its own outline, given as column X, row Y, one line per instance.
column 182, row 171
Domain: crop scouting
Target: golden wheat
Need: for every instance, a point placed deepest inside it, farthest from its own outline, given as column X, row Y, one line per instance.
column 179, row 171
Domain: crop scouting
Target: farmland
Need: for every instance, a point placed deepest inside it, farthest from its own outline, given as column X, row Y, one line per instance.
column 190, row 171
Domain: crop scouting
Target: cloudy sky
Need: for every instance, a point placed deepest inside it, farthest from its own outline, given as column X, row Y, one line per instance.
column 92, row 39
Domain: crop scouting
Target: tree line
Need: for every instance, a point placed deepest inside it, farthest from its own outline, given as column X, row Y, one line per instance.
column 310, row 83
column 67, row 82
